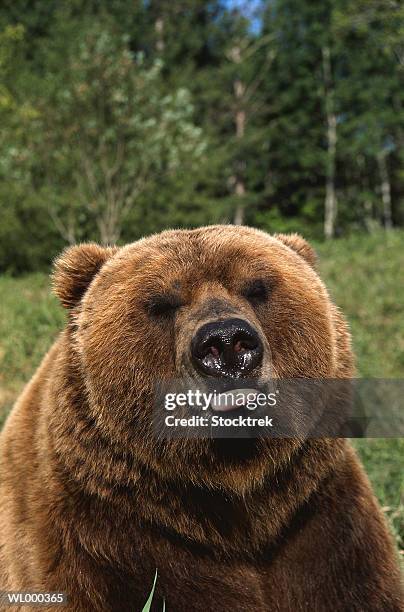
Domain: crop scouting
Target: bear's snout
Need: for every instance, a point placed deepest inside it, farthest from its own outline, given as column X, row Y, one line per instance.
column 226, row 348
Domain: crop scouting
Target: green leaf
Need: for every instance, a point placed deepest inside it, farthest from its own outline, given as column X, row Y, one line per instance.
column 150, row 598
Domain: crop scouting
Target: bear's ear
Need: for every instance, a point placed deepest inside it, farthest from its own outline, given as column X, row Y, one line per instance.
column 300, row 246
column 75, row 268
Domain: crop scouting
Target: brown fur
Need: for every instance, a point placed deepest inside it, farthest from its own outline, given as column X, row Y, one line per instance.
column 92, row 503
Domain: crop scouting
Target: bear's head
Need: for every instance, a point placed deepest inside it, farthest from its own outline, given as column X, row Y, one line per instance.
column 214, row 303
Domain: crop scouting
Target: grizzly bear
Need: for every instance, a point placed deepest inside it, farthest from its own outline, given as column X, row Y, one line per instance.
column 93, row 502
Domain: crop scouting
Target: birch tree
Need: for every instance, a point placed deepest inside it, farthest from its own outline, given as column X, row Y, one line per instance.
column 331, row 202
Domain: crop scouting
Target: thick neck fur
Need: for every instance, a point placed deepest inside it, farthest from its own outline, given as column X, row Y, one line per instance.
column 107, row 486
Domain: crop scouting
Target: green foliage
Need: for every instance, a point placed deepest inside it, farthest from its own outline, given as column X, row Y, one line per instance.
column 25, row 230
column 366, row 78
column 106, row 132
column 14, row 113
column 25, row 239
column 121, row 118
column 10, row 39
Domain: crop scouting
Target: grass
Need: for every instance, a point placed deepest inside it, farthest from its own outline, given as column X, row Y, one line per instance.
column 30, row 318
column 364, row 275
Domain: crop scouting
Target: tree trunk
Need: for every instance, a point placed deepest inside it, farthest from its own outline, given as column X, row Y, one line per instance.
column 331, row 202
column 240, row 121
column 239, row 187
column 159, row 29
column 385, row 189
column 67, row 230
column 238, row 218
column 368, row 215
column 109, row 222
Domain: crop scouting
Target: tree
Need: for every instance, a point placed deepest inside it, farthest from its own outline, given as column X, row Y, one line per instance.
column 12, row 112
column 121, row 118
column 26, row 239
column 371, row 101
column 106, row 133
column 247, row 76
column 298, row 116
column 331, row 202
column 235, row 106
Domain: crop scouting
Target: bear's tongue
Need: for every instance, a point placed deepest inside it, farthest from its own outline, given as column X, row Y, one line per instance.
column 232, row 400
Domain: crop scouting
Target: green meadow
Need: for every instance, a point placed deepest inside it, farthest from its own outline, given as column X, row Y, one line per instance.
column 365, row 277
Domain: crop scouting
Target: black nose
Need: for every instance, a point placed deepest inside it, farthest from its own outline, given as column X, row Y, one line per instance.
column 226, row 348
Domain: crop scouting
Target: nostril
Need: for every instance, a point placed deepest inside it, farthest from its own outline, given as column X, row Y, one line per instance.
column 214, row 351
column 244, row 344
column 238, row 347
column 209, row 346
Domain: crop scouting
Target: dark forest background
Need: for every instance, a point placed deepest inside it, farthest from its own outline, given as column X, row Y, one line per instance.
column 121, row 117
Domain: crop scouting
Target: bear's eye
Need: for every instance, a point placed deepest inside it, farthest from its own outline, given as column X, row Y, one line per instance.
column 256, row 291
column 162, row 305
